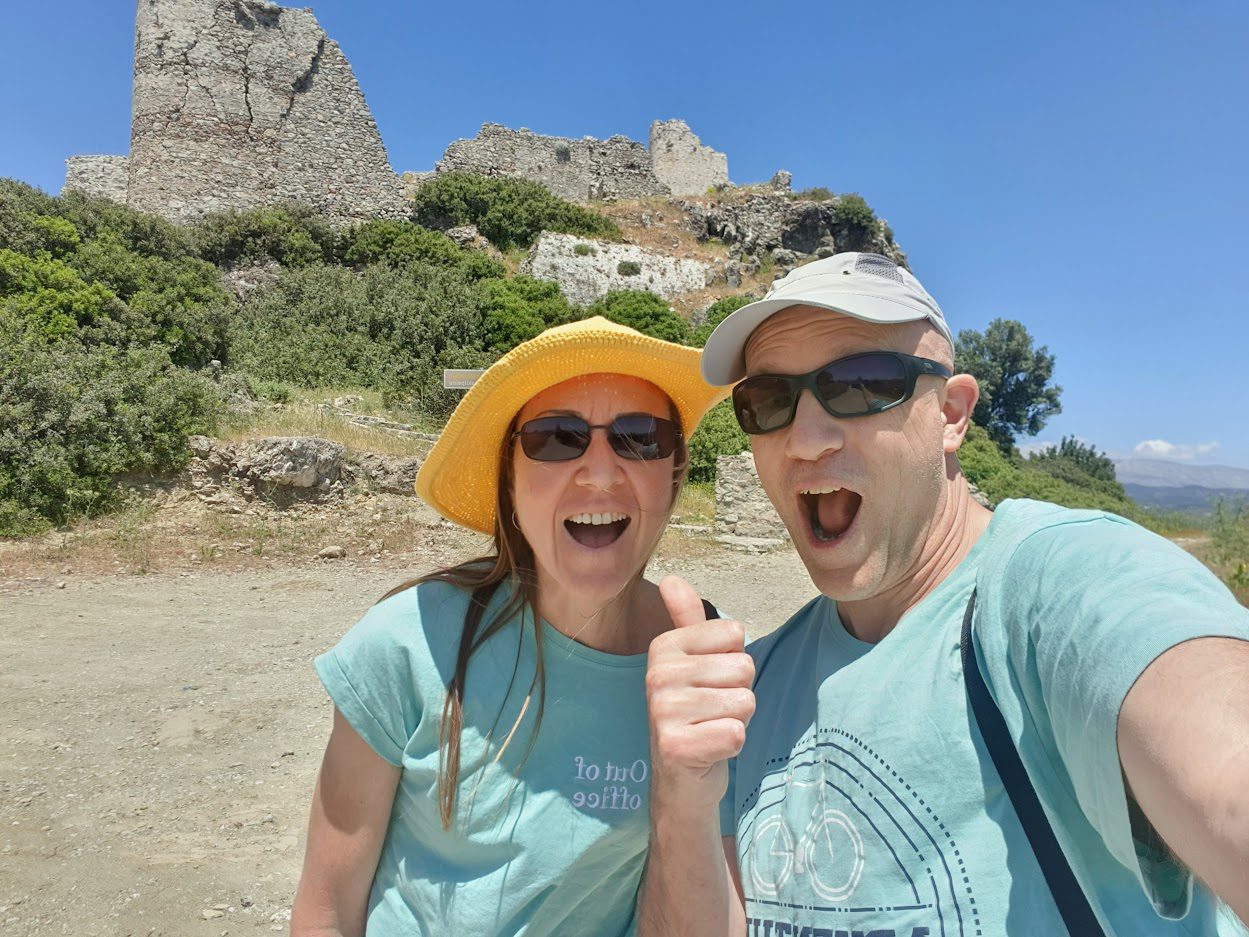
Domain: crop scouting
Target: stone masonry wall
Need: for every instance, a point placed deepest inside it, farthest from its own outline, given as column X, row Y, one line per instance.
column 742, row 506
column 586, row 269
column 242, row 103
column 682, row 163
column 588, row 168
column 104, row 176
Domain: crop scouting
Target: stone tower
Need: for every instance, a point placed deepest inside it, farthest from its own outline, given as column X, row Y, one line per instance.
column 242, row 103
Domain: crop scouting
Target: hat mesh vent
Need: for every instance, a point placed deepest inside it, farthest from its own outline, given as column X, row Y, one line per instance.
column 878, row 266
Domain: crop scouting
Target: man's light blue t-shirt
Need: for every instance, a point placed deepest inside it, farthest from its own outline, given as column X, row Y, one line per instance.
column 864, row 801
column 550, row 831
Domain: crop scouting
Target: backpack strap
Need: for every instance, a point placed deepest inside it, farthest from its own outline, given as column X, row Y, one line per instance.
column 1072, row 903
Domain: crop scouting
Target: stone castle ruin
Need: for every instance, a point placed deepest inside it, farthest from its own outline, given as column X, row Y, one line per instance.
column 675, row 164
column 238, row 104
column 243, row 103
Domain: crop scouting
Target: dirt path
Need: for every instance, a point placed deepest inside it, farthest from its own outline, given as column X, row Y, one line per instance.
column 160, row 733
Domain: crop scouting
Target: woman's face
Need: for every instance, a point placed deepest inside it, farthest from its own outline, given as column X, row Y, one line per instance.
column 592, row 521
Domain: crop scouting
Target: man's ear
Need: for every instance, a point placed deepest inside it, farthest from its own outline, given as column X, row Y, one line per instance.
column 959, row 402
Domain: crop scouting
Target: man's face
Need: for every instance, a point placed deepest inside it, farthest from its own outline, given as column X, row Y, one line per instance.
column 857, row 495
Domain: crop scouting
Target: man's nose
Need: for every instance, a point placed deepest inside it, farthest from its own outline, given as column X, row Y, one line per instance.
column 814, row 431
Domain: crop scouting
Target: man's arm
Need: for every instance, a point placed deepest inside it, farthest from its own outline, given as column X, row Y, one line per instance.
column 699, row 699
column 1184, row 745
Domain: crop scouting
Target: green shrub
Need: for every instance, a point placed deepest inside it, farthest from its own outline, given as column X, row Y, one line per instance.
column 718, row 434
column 855, row 213
column 294, row 236
column 518, row 309
column 1229, row 547
column 628, row 268
column 398, row 243
column 716, row 313
column 643, row 311
column 508, row 212
column 72, row 417
column 391, row 329
column 584, row 250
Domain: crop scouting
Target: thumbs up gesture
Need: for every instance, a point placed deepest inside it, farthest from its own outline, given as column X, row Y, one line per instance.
column 699, row 697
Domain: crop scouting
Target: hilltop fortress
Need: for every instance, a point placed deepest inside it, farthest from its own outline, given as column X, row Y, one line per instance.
column 242, row 103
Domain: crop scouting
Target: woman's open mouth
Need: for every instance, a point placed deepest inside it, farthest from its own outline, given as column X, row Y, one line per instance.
column 597, row 530
column 830, row 510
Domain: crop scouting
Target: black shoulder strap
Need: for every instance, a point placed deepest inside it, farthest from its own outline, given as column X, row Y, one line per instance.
column 710, row 610
column 1072, row 903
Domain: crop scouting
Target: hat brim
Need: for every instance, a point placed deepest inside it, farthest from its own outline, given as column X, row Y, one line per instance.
column 724, row 361
column 459, row 478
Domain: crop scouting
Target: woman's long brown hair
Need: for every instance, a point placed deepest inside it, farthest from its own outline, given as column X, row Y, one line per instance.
column 512, row 559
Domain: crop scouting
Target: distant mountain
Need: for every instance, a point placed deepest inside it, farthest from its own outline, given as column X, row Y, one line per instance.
column 1160, row 473
column 1189, row 499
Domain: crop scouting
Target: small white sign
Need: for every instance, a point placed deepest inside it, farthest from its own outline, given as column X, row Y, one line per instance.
column 460, row 378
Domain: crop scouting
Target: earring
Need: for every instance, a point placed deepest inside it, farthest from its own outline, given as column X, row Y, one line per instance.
column 515, row 522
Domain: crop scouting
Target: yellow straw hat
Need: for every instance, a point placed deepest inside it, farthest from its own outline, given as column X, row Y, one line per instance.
column 460, row 476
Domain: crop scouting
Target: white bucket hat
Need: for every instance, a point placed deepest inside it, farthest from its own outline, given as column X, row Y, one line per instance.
column 865, row 286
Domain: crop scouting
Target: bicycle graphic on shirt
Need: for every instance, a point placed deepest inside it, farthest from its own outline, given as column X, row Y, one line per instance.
column 828, row 853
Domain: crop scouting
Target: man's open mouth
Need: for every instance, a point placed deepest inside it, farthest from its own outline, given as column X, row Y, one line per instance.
column 597, row 530
column 830, row 509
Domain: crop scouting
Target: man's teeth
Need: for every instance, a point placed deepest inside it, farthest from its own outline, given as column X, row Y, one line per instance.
column 828, row 490
column 610, row 518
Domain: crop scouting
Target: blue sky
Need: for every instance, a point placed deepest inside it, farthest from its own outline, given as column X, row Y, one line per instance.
column 1081, row 167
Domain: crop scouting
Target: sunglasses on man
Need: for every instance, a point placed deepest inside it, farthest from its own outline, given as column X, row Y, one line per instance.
column 858, row 385
column 637, row 436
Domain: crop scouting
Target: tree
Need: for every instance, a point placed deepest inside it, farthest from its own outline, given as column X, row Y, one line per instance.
column 1080, row 454
column 1016, row 396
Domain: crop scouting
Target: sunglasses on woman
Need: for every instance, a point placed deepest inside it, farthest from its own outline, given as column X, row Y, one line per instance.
column 848, row 387
column 637, row 436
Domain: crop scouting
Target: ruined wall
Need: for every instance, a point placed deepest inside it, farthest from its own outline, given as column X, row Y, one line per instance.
column 681, row 162
column 104, row 176
column 587, row 269
column 589, row 168
column 573, row 169
column 242, row 103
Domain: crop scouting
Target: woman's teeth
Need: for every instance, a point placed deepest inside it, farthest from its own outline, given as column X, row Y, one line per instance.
column 610, row 518
column 831, row 489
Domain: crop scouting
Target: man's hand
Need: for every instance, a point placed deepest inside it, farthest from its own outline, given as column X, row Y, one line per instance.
column 699, row 696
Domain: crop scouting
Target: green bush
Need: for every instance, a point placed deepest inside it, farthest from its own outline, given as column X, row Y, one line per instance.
column 518, row 309
column 643, row 311
column 855, row 213
column 72, row 417
column 718, row 434
column 584, row 250
column 1229, row 547
column 508, row 212
column 392, row 329
column 628, row 268
column 716, row 313
column 294, row 236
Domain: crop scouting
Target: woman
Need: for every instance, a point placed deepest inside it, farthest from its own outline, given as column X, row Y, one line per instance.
column 487, row 770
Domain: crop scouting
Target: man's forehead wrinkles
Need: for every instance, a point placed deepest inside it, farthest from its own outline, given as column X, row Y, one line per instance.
column 800, row 331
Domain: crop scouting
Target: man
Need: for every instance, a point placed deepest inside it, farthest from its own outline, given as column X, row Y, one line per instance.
column 862, row 801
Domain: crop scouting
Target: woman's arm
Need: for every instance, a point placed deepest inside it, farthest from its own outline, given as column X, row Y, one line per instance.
column 350, row 811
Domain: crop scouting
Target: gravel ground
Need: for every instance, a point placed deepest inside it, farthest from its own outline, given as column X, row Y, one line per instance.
column 160, row 733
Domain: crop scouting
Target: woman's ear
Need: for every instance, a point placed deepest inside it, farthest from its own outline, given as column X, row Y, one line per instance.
column 959, row 399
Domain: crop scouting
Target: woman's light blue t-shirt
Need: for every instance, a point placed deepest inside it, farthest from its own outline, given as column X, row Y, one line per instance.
column 550, row 831
column 864, row 801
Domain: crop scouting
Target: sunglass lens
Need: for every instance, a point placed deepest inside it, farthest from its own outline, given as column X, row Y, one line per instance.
column 642, row 437
column 763, row 404
column 555, row 438
column 861, row 384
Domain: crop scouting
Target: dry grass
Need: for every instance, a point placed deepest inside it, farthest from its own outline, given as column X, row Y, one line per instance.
column 307, row 418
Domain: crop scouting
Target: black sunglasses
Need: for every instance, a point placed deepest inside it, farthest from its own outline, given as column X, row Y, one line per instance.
column 637, row 436
column 848, row 387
